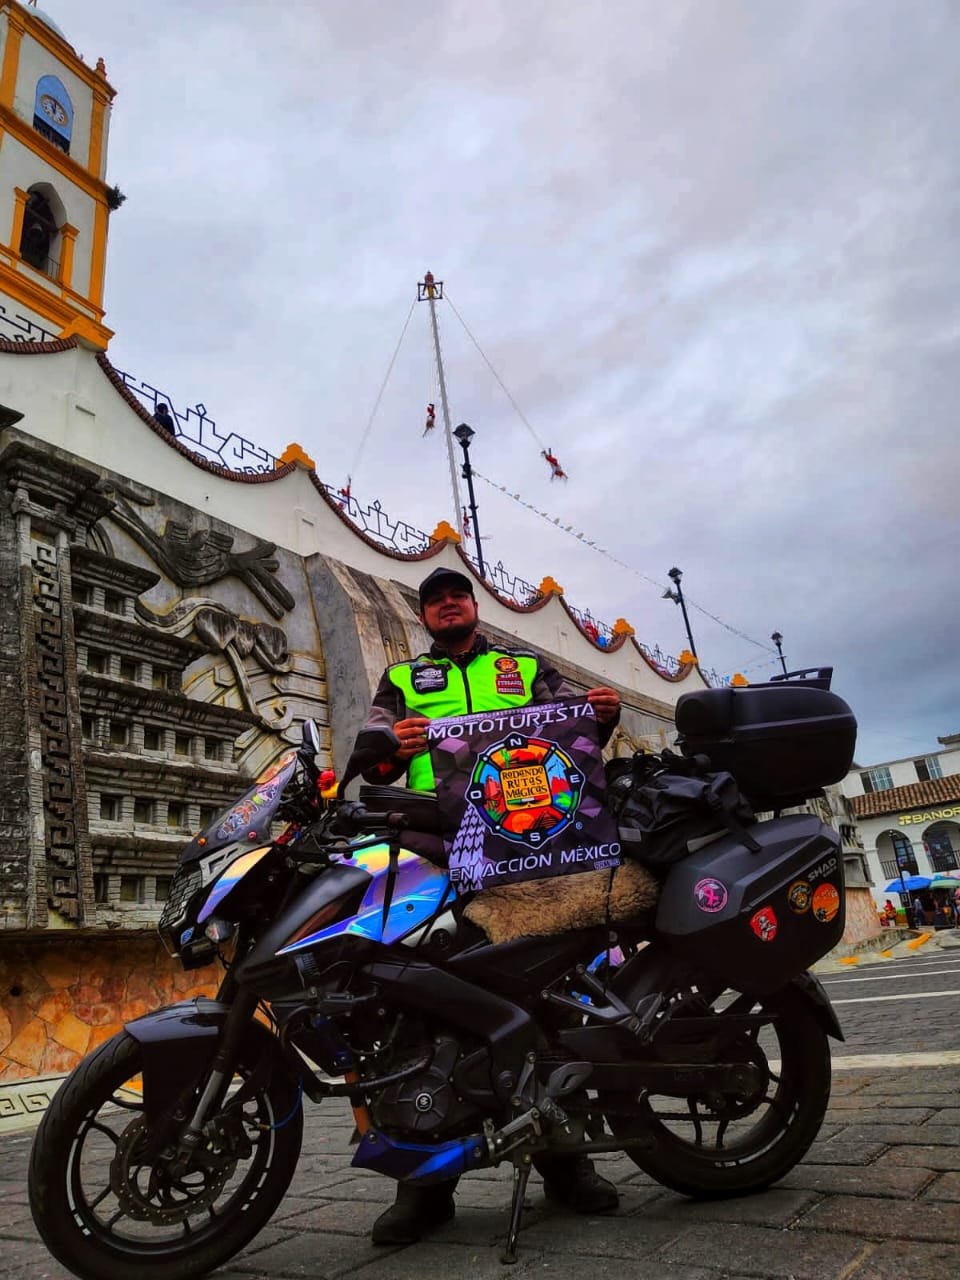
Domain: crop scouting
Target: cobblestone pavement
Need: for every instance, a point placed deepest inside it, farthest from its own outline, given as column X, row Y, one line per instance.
column 877, row 1197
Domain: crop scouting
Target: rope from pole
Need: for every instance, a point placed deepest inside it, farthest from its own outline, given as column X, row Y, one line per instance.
column 383, row 387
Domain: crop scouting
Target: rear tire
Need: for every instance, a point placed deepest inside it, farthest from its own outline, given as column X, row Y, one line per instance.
column 729, row 1146
column 104, row 1205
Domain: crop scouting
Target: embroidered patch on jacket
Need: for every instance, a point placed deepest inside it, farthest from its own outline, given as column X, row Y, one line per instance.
column 510, row 682
column 428, row 679
column 506, row 664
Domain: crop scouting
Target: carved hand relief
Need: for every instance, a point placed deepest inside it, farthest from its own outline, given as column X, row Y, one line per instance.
column 200, row 557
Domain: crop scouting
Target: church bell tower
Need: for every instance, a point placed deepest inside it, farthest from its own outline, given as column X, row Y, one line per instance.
column 54, row 202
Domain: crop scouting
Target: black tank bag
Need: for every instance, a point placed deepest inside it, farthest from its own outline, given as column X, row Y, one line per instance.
column 667, row 806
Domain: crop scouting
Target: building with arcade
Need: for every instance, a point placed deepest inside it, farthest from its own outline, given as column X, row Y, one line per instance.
column 908, row 814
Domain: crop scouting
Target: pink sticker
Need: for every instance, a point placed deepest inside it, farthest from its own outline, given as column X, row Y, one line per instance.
column 710, row 895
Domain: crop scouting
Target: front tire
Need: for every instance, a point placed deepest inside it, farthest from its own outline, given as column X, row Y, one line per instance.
column 102, row 1200
column 709, row 1147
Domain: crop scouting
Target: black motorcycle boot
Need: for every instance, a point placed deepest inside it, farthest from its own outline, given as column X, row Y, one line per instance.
column 572, row 1181
column 415, row 1211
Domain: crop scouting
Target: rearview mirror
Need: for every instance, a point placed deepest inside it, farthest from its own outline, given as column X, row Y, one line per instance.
column 373, row 746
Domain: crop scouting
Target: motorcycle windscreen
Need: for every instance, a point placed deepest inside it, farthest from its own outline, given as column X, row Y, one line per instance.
column 420, row 892
column 248, row 819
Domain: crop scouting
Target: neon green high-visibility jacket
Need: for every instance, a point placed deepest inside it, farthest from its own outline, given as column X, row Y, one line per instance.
column 486, row 678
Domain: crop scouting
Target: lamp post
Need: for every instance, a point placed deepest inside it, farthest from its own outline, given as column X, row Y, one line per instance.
column 676, row 596
column 777, row 639
column 465, row 434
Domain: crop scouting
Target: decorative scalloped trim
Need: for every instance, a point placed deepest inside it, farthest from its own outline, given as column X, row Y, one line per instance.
column 11, row 348
column 407, row 557
column 245, row 477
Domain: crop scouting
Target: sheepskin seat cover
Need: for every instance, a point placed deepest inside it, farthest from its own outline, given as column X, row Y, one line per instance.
column 540, row 907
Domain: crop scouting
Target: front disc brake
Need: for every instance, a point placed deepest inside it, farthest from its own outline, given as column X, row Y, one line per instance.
column 163, row 1200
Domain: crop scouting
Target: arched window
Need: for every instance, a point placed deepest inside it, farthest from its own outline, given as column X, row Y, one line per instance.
column 40, row 237
column 53, row 112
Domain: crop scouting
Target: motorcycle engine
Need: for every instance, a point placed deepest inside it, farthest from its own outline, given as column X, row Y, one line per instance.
column 426, row 1104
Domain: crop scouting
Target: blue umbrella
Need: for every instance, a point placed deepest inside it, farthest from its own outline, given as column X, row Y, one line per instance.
column 911, row 883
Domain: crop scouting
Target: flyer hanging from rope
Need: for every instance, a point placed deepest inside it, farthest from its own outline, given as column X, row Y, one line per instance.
column 523, row 790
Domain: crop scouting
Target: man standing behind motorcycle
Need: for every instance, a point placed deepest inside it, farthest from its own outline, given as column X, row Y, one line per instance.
column 465, row 672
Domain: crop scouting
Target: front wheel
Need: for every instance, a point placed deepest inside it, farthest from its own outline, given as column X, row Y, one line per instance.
column 104, row 1197
column 714, row 1144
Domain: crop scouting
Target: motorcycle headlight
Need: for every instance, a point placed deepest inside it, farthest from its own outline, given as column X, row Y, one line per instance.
column 185, row 884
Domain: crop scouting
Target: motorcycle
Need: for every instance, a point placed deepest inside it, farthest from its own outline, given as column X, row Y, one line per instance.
column 692, row 1037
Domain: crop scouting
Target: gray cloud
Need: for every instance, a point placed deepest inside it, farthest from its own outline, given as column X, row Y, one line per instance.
column 711, row 248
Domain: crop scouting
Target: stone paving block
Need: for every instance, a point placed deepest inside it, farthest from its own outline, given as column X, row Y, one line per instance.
column 885, row 1219
column 448, row 1262
column 891, row 1134
column 599, row 1237
column 351, row 1217
column 755, row 1251
column 935, row 1101
column 868, row 1111
column 901, row 1183
column 291, row 1206
column 376, row 1188
column 854, row 1153
column 924, row 1157
column 895, row 1261
column 947, row 1115
column 946, row 1187
column 315, row 1254
column 776, row 1207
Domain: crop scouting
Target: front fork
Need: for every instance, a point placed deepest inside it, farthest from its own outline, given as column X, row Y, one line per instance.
column 219, row 1075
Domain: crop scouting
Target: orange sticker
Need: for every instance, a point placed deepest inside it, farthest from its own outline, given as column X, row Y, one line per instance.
column 826, row 902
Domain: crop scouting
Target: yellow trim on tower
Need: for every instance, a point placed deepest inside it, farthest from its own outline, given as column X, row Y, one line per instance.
column 68, row 238
column 53, row 156
column 98, row 255
column 19, row 209
column 97, row 120
column 63, row 311
column 11, row 58
column 60, row 49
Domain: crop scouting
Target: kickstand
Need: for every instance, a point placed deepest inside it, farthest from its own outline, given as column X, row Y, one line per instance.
column 521, row 1174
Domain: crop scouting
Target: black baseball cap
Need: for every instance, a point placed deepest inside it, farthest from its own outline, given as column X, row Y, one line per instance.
column 443, row 578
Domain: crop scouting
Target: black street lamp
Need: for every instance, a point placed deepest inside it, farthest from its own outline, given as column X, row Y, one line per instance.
column 465, row 434
column 677, row 597
column 777, row 639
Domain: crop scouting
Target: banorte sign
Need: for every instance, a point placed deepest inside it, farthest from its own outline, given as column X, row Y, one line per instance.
column 929, row 815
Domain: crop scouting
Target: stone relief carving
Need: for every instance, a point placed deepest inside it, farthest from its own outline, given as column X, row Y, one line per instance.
column 223, row 632
column 199, row 557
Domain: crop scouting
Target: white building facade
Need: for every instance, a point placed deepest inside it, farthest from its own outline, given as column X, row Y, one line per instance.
column 908, row 813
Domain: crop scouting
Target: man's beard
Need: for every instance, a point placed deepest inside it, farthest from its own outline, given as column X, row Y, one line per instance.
column 454, row 633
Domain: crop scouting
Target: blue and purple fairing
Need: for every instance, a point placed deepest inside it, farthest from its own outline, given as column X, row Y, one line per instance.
column 420, row 893
column 423, row 1163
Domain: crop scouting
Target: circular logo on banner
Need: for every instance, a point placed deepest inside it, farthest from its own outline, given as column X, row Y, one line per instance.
column 710, row 895
column 506, row 664
column 525, row 790
column 798, row 897
column 826, row 902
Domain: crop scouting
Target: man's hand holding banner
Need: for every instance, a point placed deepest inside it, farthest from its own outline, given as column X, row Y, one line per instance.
column 521, row 793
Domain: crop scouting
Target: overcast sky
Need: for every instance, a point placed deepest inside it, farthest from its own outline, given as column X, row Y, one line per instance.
column 711, row 249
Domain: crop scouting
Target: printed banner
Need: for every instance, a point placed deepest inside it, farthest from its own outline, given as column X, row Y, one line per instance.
column 523, row 789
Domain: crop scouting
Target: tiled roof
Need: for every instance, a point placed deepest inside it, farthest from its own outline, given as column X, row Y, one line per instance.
column 915, row 795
